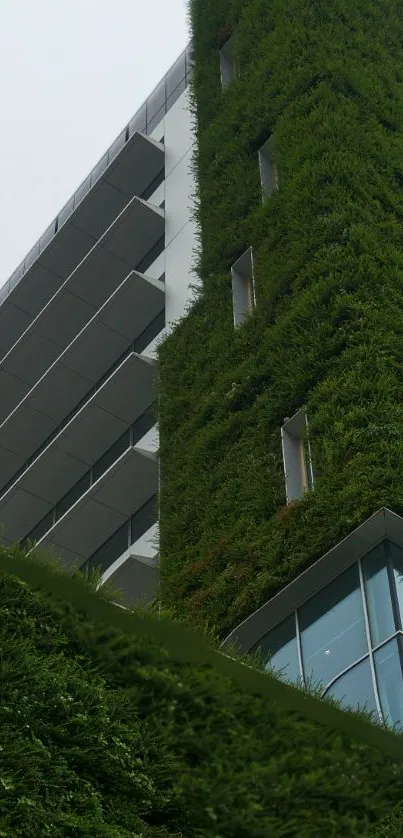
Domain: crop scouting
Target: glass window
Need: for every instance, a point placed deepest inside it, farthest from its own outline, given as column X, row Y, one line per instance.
column 142, row 520
column 153, row 121
column 114, row 452
column 39, row 531
column 150, row 189
column 99, row 169
column 117, row 146
column 82, row 191
column 176, row 93
column 280, row 649
column 355, row 688
column 143, row 424
column 377, row 591
column 65, row 213
column 32, row 256
column 388, row 667
column 111, row 550
column 156, row 100
column 333, row 629
column 73, row 495
column 47, row 236
column 139, row 121
column 150, row 332
column 396, row 554
column 176, row 74
column 151, row 256
column 16, row 276
column 189, row 58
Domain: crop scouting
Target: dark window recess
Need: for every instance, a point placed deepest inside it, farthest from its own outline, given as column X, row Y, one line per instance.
column 120, row 541
column 110, row 550
column 162, row 277
column 189, row 58
column 153, row 185
column 151, row 332
column 115, row 451
column 142, row 425
column 73, row 495
column 85, row 568
column 37, row 532
column 151, row 256
column 142, row 520
column 162, row 205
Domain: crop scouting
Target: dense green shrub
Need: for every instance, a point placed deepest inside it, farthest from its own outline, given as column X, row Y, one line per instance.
column 326, row 81
column 390, row 827
column 74, row 758
column 105, row 735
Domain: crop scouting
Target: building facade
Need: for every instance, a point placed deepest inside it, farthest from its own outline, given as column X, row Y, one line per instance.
column 281, row 504
column 80, row 320
column 279, row 499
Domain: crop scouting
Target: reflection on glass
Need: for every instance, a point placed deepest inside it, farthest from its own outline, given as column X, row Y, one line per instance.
column 174, row 96
column 397, row 560
column 333, row 629
column 279, row 648
column 388, row 669
column 155, row 119
column 156, row 100
column 139, row 121
column 175, row 74
column 355, row 688
column 377, row 592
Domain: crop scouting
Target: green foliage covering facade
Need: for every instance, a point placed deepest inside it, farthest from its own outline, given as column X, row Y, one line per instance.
column 325, row 80
column 106, row 736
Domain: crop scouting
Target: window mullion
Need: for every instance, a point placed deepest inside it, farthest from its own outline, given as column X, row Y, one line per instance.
column 369, row 641
column 299, row 648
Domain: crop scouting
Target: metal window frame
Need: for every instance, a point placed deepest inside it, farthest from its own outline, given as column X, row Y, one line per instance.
column 297, row 456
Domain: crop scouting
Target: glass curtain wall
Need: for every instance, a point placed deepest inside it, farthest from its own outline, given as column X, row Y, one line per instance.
column 348, row 639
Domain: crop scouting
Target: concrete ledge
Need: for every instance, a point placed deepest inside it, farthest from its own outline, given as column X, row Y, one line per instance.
column 125, row 396
column 80, row 224
column 88, row 357
column 106, row 506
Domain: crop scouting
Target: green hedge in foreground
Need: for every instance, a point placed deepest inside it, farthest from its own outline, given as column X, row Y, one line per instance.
column 390, row 827
column 107, row 736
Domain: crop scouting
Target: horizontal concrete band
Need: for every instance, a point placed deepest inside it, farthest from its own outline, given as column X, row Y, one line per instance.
column 125, row 396
column 88, row 357
column 107, row 505
column 75, row 304
column 132, row 171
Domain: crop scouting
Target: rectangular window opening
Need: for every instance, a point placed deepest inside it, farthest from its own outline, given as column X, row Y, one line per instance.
column 297, row 456
column 243, row 287
column 268, row 170
column 227, row 66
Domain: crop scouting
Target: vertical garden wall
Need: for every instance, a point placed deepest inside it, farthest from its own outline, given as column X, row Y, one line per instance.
column 325, row 81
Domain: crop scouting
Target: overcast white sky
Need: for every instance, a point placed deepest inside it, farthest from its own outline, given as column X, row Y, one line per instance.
column 72, row 74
